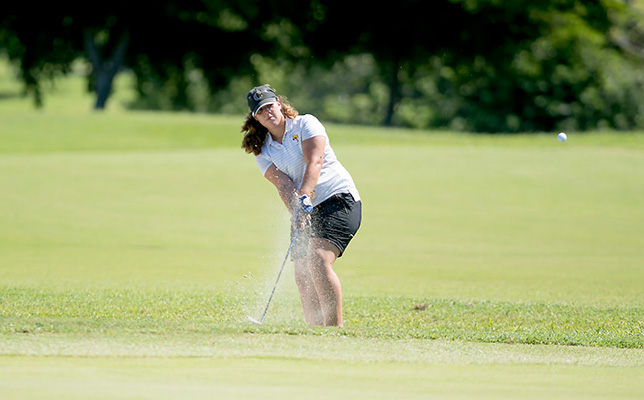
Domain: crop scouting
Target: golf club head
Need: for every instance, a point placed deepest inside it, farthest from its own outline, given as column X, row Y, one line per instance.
column 253, row 320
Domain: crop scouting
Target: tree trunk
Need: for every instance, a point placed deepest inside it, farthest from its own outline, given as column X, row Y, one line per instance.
column 104, row 71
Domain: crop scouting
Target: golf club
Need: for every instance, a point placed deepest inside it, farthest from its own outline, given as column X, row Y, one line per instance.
column 253, row 320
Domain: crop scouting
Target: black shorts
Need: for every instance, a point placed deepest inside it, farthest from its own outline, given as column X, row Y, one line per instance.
column 336, row 219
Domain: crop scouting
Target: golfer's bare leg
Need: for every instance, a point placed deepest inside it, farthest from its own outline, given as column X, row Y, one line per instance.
column 308, row 294
column 322, row 254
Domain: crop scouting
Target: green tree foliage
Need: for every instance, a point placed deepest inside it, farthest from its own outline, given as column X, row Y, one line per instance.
column 161, row 42
column 560, row 72
column 481, row 65
column 44, row 52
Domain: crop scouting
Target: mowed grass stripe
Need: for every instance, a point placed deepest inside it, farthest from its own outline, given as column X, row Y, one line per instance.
column 279, row 378
column 519, row 224
column 313, row 347
column 29, row 311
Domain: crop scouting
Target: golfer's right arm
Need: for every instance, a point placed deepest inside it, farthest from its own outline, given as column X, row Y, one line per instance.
column 284, row 185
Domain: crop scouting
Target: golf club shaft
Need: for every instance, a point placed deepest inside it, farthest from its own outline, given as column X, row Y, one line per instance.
column 279, row 274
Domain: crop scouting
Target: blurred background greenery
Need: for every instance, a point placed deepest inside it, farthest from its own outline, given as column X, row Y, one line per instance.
column 471, row 65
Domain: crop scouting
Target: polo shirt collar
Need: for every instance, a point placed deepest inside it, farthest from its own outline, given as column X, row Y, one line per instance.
column 287, row 128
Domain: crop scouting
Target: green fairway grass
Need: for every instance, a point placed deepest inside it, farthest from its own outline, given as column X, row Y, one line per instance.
column 277, row 367
column 134, row 244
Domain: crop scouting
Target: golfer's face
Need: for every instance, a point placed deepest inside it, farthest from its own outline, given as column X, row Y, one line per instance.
column 270, row 115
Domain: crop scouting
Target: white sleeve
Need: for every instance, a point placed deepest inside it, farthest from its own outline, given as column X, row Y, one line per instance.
column 263, row 163
column 312, row 127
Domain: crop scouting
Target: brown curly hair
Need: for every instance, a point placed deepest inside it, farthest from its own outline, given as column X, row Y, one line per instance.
column 255, row 133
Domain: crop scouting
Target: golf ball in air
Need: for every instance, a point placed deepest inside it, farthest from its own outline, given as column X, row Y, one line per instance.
column 562, row 137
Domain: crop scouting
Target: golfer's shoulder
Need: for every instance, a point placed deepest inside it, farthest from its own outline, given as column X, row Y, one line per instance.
column 309, row 124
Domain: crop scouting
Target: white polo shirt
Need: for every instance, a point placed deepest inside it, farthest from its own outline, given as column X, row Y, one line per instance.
column 288, row 158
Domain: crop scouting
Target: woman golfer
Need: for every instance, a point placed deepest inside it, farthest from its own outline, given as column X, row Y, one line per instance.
column 293, row 152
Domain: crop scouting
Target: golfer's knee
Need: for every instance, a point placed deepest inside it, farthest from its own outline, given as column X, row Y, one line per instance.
column 319, row 261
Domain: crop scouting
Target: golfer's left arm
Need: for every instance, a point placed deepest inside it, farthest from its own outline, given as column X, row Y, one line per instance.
column 313, row 151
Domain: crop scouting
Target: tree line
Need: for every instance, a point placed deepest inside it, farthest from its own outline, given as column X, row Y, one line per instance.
column 479, row 65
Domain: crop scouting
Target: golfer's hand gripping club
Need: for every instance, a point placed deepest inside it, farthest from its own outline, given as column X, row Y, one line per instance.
column 303, row 212
column 304, row 204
